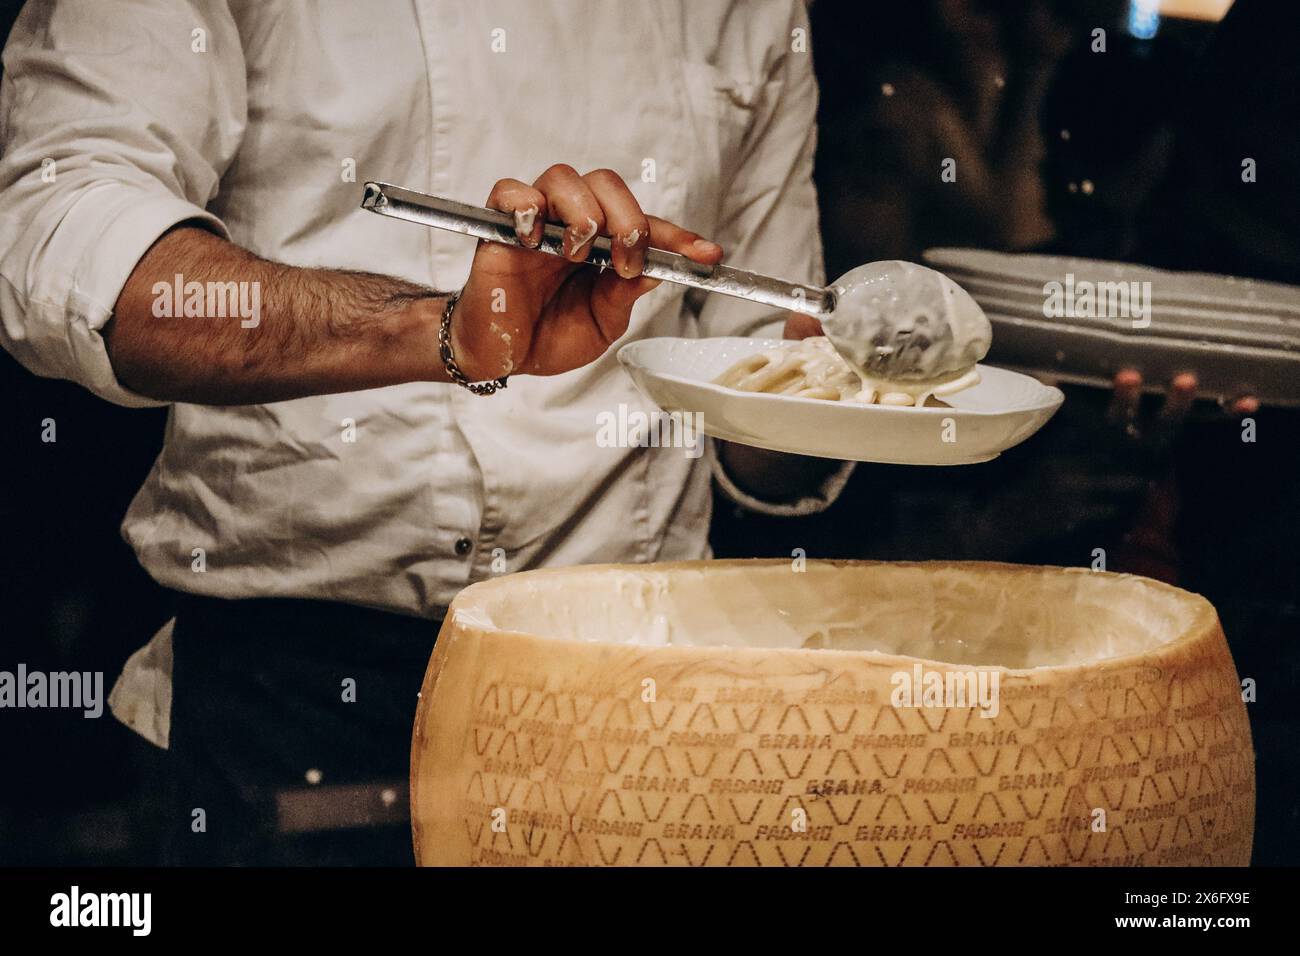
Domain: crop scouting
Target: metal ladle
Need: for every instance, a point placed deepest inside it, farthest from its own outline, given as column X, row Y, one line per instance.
column 884, row 348
column 495, row 226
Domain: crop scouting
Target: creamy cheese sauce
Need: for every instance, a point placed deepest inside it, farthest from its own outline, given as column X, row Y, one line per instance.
column 811, row 368
column 897, row 322
column 900, row 334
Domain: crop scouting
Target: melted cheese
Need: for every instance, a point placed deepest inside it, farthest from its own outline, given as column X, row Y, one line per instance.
column 811, row 368
column 899, row 321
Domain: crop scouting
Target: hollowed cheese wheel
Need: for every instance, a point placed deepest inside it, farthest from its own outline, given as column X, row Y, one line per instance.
column 737, row 713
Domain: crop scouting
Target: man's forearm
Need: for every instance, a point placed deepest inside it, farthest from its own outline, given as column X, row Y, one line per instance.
column 316, row 331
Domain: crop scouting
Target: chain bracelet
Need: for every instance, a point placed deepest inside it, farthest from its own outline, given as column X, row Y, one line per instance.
column 449, row 360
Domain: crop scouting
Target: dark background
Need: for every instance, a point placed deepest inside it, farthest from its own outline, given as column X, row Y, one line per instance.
column 1152, row 127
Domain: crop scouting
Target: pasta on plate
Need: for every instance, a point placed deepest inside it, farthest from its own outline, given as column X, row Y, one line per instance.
column 811, row 368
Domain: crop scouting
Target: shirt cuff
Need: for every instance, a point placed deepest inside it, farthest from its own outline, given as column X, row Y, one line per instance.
column 823, row 498
column 141, row 698
column 116, row 232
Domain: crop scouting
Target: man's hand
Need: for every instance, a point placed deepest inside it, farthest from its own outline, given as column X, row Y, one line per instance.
column 1125, row 412
column 531, row 314
column 321, row 331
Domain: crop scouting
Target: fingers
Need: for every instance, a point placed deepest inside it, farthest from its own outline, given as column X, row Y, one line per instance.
column 800, row 326
column 573, row 203
column 1178, row 400
column 627, row 226
column 615, row 296
column 1163, row 430
column 1179, row 397
column 1125, row 400
column 672, row 237
column 1244, row 405
column 526, row 203
column 600, row 203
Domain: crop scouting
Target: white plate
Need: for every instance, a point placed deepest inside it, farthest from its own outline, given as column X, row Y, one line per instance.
column 1242, row 313
column 1091, row 356
column 1202, row 288
column 1164, row 321
column 985, row 420
column 1240, row 336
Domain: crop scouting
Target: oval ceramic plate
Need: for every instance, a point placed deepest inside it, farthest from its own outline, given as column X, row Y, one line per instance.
column 1240, row 336
column 983, row 421
column 1189, row 287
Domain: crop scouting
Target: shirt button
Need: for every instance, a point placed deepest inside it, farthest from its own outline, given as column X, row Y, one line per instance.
column 464, row 546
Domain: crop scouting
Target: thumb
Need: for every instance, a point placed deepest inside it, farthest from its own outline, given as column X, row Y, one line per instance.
column 800, row 326
column 614, row 296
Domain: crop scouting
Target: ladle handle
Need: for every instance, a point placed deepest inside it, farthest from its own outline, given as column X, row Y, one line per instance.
column 494, row 226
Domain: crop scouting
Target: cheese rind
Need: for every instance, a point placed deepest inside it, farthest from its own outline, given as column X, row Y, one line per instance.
column 744, row 713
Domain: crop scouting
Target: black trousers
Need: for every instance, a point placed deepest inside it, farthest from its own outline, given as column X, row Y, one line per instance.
column 291, row 732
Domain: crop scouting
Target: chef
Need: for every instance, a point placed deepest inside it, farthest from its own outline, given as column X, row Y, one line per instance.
column 366, row 416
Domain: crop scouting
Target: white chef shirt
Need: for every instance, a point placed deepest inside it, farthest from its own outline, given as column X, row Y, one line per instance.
column 121, row 119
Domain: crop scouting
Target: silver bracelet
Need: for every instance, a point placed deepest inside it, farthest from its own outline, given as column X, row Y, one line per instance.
column 449, row 360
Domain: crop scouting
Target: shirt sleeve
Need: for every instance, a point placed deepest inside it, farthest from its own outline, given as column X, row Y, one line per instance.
column 770, row 223
column 117, row 120
column 818, row 499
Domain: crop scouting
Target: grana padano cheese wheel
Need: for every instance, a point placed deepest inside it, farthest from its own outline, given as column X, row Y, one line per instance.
column 742, row 713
